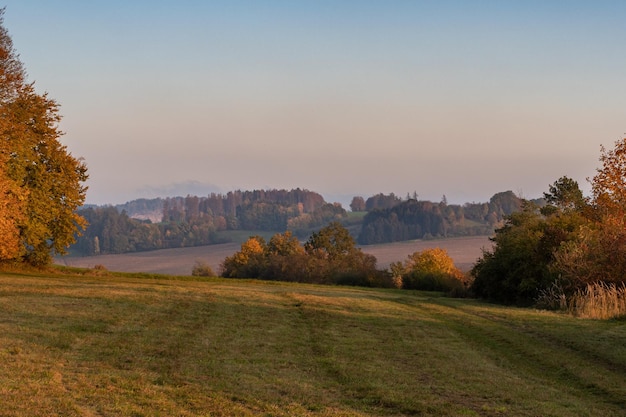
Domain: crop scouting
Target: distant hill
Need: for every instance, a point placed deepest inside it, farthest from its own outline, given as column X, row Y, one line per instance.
column 143, row 209
column 176, row 222
column 413, row 219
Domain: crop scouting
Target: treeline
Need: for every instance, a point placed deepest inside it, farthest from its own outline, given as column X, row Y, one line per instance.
column 548, row 254
column 236, row 204
column 330, row 256
column 177, row 222
column 413, row 219
column 297, row 210
column 110, row 232
column 196, row 221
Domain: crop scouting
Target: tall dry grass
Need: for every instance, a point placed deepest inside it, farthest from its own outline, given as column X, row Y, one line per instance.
column 599, row 301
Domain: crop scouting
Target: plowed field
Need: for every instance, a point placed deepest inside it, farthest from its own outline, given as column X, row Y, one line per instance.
column 464, row 251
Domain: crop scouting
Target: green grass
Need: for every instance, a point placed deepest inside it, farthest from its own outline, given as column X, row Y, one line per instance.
column 118, row 345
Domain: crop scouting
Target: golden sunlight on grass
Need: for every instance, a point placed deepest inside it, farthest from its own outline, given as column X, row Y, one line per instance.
column 109, row 346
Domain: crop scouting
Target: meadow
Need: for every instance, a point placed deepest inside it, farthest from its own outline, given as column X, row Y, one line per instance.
column 75, row 344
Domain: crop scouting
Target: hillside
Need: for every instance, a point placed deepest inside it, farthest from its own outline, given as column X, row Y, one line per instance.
column 110, row 346
column 175, row 222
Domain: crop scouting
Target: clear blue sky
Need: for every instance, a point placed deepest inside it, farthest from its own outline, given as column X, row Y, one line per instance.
column 462, row 98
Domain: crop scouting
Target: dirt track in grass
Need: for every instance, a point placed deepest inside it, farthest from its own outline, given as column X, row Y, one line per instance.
column 465, row 251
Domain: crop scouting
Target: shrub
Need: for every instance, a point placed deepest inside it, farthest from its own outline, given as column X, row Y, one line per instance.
column 202, row 269
column 520, row 265
column 248, row 262
column 431, row 281
column 330, row 256
column 431, row 270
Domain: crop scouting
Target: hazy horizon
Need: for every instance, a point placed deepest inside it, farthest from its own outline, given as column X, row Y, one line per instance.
column 342, row 98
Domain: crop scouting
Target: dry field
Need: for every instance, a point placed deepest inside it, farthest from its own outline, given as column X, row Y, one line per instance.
column 464, row 251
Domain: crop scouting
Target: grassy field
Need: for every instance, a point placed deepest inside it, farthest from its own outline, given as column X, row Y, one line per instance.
column 124, row 346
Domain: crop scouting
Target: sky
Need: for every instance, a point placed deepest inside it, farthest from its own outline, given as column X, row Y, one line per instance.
column 457, row 98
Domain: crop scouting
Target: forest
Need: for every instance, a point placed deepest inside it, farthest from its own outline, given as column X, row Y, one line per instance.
column 197, row 221
column 414, row 219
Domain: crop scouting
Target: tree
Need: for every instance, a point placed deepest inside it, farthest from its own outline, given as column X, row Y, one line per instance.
column 248, row 262
column 332, row 242
column 11, row 215
column 609, row 184
column 524, row 260
column 48, row 176
column 432, row 270
column 357, row 204
column 285, row 258
column 514, row 271
column 284, row 244
column 329, row 257
column 433, row 261
column 382, row 201
column 564, row 196
column 334, row 258
column 504, row 203
column 598, row 254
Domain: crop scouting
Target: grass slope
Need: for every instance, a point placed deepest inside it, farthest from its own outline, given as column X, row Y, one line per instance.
column 110, row 346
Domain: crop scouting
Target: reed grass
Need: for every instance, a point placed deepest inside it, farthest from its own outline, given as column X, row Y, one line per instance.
column 599, row 301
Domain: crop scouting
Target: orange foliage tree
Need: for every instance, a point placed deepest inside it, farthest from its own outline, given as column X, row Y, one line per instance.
column 42, row 183
column 12, row 215
column 431, row 269
column 599, row 252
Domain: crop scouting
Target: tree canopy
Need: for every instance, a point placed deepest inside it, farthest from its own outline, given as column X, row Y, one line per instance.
column 42, row 183
column 568, row 244
column 609, row 183
column 330, row 256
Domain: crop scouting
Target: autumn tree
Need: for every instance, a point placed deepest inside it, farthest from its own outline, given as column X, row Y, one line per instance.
column 248, row 262
column 609, row 184
column 598, row 254
column 431, row 269
column 285, row 258
column 40, row 170
column 328, row 257
column 11, row 216
column 435, row 260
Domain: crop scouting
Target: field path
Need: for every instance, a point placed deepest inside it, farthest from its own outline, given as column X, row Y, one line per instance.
column 465, row 251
